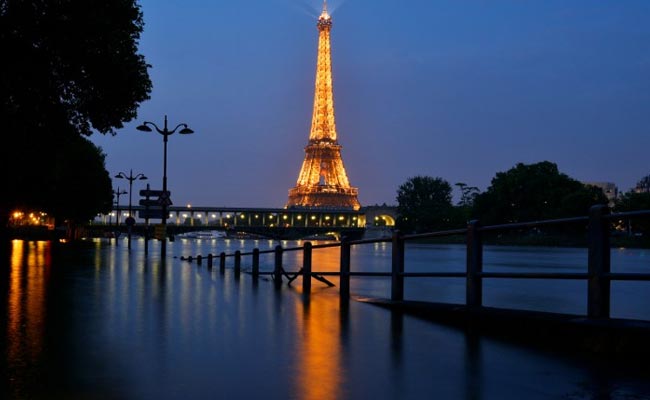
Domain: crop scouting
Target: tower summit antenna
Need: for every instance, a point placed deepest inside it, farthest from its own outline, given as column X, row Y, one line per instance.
column 324, row 16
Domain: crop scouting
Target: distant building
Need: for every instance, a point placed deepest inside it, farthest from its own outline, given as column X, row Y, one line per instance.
column 609, row 189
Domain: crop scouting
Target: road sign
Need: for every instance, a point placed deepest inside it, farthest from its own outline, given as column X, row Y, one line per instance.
column 164, row 199
column 130, row 221
column 152, row 213
column 159, row 231
column 153, row 193
column 153, row 203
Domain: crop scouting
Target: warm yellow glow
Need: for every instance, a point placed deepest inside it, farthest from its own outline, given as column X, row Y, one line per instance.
column 321, row 350
column 323, row 181
column 184, row 215
column 242, row 216
column 28, row 277
column 198, row 215
column 284, row 217
column 214, row 215
column 299, row 217
column 327, row 217
column 189, row 205
column 313, row 217
column 341, row 218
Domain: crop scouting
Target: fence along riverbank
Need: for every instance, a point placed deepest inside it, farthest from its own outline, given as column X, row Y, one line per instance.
column 596, row 327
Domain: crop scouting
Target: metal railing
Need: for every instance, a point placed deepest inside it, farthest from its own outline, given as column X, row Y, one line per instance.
column 598, row 275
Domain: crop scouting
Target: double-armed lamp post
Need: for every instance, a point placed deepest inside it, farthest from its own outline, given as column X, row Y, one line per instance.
column 165, row 132
column 117, row 193
column 130, row 178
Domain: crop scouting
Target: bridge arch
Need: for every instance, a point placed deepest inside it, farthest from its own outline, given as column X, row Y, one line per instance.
column 380, row 216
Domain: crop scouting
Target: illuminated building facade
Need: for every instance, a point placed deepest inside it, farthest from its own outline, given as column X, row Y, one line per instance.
column 323, row 182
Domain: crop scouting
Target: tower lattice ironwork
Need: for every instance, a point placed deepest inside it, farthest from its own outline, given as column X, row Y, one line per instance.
column 323, row 182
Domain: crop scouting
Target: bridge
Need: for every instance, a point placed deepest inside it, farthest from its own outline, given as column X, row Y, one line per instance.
column 281, row 223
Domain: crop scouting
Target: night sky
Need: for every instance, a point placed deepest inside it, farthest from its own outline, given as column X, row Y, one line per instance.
column 449, row 88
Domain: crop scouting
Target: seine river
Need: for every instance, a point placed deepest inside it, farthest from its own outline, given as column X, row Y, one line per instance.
column 98, row 321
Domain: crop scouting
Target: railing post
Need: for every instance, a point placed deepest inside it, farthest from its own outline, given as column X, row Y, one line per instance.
column 199, row 259
column 397, row 270
column 474, row 281
column 345, row 270
column 598, row 292
column 210, row 261
column 306, row 268
column 222, row 263
column 256, row 263
column 277, row 269
column 237, row 263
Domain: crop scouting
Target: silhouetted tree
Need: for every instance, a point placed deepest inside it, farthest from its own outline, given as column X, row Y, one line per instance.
column 70, row 67
column 632, row 201
column 424, row 204
column 467, row 194
column 535, row 192
column 465, row 206
column 643, row 185
column 82, row 186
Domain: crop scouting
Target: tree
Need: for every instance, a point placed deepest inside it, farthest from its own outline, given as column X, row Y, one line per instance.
column 424, row 204
column 643, row 185
column 72, row 68
column 82, row 186
column 534, row 192
column 635, row 201
column 465, row 206
column 467, row 194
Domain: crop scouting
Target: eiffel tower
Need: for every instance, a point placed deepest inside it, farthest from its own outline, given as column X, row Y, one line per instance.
column 323, row 182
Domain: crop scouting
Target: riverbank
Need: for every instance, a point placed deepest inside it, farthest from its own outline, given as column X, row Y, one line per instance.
column 621, row 339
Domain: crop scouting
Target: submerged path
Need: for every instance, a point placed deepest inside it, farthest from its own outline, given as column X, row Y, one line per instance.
column 103, row 322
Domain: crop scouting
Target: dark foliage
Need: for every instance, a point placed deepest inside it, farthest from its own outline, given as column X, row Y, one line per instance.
column 424, row 204
column 71, row 67
column 632, row 201
column 534, row 192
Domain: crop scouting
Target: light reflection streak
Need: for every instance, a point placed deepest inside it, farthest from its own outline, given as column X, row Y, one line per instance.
column 321, row 329
column 29, row 275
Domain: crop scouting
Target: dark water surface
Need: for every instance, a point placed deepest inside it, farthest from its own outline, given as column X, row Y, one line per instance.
column 100, row 322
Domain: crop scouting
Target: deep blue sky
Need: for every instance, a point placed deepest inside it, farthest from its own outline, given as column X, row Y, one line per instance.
column 449, row 88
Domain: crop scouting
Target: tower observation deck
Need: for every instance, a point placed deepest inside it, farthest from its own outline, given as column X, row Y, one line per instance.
column 323, row 182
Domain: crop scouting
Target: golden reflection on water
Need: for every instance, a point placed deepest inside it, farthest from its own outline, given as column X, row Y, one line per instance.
column 28, row 277
column 319, row 341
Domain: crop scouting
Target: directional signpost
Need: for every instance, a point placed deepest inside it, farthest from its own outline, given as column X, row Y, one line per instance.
column 154, row 202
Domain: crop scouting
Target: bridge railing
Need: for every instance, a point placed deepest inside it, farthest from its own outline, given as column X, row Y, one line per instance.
column 598, row 275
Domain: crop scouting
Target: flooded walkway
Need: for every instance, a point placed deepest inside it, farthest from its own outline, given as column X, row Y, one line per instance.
column 100, row 322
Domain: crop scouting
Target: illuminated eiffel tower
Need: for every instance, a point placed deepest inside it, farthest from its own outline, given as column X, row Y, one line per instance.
column 322, row 182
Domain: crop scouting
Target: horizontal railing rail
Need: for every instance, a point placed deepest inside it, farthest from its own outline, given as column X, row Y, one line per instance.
column 598, row 275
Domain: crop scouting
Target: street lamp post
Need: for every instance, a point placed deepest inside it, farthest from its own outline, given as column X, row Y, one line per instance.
column 130, row 221
column 146, row 127
column 117, row 193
